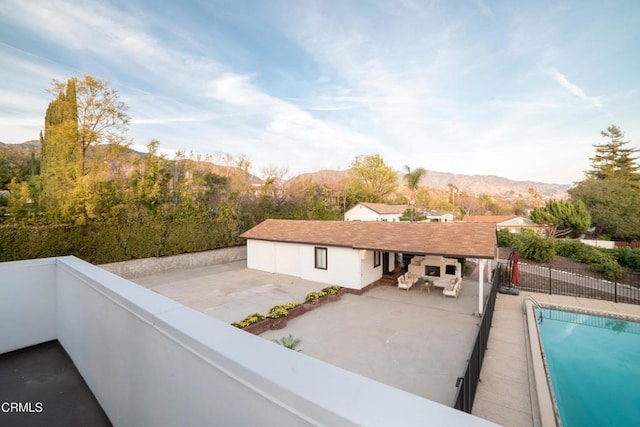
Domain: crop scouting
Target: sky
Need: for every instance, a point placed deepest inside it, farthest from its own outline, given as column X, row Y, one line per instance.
column 515, row 89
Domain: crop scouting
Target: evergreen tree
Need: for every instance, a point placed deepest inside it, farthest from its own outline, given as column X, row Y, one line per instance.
column 562, row 217
column 613, row 159
column 100, row 115
column 61, row 156
column 614, row 206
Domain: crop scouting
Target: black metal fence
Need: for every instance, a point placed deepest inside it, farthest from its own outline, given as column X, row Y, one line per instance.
column 468, row 383
column 579, row 282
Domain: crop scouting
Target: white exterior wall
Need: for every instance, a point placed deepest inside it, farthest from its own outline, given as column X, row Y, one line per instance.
column 288, row 258
column 27, row 304
column 390, row 217
column 152, row 361
column 607, row 244
column 369, row 272
column 344, row 266
column 261, row 255
column 361, row 213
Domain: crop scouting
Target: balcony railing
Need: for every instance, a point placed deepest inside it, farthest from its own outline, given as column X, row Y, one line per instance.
column 467, row 384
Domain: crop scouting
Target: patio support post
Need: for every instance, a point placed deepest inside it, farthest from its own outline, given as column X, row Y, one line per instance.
column 483, row 263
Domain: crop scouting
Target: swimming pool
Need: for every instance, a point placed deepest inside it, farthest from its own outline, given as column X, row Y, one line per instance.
column 593, row 363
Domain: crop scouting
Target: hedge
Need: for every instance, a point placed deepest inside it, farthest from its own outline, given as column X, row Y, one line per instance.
column 103, row 242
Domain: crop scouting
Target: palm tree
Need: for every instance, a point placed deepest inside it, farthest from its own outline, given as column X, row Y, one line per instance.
column 289, row 342
column 413, row 180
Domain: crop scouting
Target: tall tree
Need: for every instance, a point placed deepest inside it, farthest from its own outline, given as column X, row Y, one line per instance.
column 562, row 217
column 614, row 159
column 61, row 155
column 412, row 178
column 371, row 178
column 100, row 114
column 614, row 206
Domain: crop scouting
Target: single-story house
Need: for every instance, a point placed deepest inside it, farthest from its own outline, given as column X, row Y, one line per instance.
column 375, row 212
column 437, row 216
column 513, row 223
column 354, row 254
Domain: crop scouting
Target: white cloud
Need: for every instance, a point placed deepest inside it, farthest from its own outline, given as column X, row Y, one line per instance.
column 574, row 89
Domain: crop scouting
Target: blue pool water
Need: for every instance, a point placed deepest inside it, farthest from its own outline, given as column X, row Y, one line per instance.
column 594, row 364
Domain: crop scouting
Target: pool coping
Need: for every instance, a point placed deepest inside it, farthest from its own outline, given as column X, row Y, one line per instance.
column 547, row 409
column 548, row 412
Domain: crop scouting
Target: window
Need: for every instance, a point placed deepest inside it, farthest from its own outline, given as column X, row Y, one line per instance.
column 321, row 258
column 376, row 258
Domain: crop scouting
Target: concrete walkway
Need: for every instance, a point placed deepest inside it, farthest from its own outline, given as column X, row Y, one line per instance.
column 229, row 291
column 504, row 393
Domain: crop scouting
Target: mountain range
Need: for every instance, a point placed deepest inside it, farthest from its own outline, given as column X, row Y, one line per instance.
column 473, row 184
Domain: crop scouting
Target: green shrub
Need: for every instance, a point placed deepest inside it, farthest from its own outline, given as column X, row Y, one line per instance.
column 331, row 290
column 599, row 260
column 569, row 248
column 290, row 305
column 536, row 248
column 314, row 295
column 289, row 342
column 626, row 257
column 277, row 312
column 506, row 239
column 529, row 244
column 249, row 320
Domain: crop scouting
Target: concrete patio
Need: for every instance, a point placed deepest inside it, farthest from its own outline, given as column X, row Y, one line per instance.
column 415, row 341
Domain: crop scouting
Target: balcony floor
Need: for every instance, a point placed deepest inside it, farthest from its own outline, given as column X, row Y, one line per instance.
column 44, row 373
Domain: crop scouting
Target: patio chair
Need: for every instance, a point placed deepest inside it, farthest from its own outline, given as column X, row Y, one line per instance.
column 453, row 290
column 406, row 281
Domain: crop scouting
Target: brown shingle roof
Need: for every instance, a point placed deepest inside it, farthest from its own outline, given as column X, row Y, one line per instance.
column 385, row 209
column 449, row 239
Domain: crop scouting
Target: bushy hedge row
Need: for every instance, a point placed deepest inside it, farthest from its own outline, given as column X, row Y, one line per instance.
column 597, row 259
column 534, row 247
column 528, row 244
column 626, row 257
column 105, row 242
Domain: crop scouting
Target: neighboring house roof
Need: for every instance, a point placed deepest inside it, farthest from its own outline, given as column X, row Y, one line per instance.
column 502, row 220
column 463, row 240
column 385, row 209
column 493, row 219
column 519, row 222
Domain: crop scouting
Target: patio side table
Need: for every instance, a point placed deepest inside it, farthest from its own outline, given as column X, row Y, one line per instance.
column 426, row 284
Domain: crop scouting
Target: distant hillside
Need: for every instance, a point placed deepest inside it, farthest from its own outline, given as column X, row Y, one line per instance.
column 493, row 185
column 472, row 184
column 102, row 150
column 33, row 145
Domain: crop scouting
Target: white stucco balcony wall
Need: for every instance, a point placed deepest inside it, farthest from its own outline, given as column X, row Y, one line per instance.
column 152, row 361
